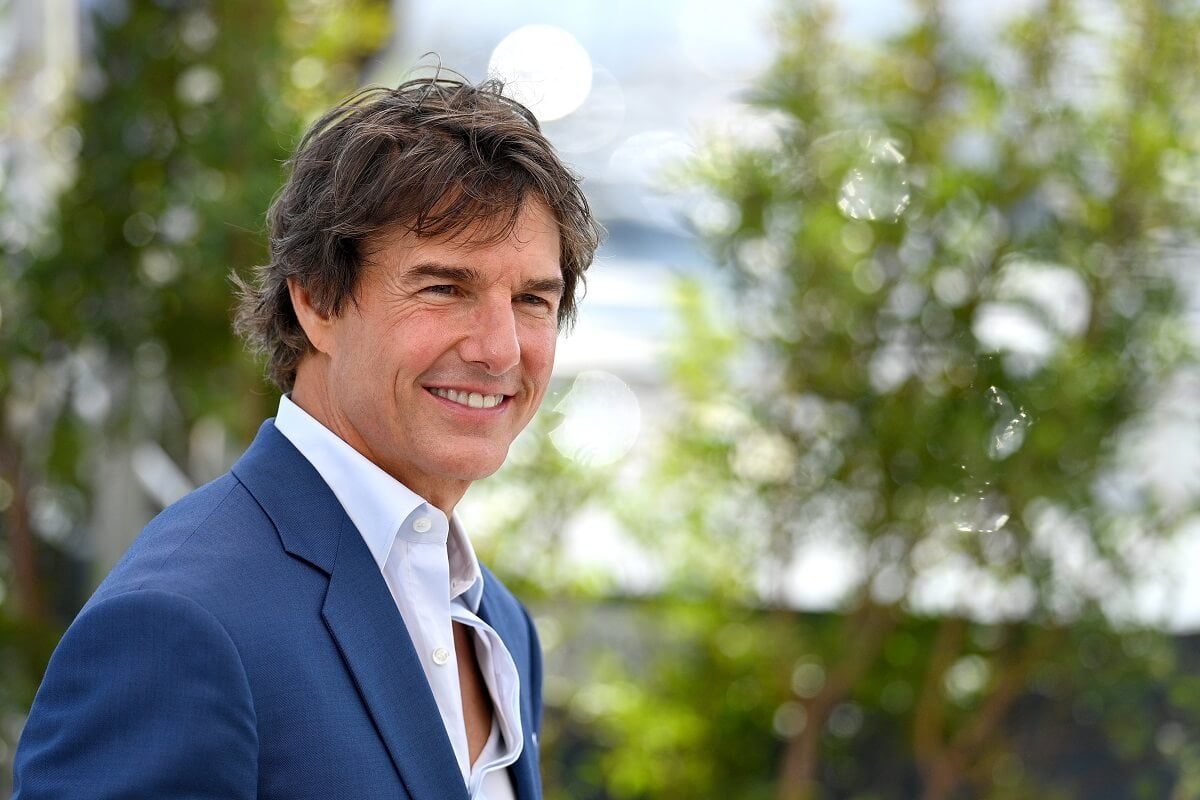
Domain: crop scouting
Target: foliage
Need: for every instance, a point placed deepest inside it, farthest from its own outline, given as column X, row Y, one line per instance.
column 957, row 267
column 117, row 307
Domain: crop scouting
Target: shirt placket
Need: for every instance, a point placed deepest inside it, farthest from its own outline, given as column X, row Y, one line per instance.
column 425, row 575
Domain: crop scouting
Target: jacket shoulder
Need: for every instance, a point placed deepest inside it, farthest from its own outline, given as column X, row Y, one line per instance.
column 200, row 535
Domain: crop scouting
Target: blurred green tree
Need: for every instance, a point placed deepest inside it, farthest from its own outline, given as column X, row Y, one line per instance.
column 958, row 267
column 959, row 342
column 116, row 324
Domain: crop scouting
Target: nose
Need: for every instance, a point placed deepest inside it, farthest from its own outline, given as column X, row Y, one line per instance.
column 491, row 340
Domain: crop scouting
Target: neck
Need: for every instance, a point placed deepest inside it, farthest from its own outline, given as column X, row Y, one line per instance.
column 308, row 393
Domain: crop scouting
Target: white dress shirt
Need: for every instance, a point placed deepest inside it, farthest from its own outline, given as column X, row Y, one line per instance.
column 432, row 572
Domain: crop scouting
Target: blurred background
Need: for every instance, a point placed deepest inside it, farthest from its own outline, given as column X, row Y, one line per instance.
column 872, row 468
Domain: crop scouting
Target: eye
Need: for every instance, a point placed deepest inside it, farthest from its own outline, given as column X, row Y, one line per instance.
column 442, row 289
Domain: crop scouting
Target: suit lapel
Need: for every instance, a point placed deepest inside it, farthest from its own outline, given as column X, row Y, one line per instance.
column 358, row 611
column 370, row 633
column 524, row 771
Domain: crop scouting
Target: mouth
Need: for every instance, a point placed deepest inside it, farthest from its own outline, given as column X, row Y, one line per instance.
column 468, row 399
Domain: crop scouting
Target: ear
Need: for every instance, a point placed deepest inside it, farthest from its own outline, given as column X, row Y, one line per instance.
column 317, row 327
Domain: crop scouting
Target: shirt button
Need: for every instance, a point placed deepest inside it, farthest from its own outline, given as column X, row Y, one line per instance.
column 440, row 656
column 422, row 524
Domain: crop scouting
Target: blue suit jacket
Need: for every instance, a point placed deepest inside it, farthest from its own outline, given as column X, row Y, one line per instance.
column 247, row 646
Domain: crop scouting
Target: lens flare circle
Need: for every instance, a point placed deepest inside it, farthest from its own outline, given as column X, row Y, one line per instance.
column 601, row 419
column 545, row 68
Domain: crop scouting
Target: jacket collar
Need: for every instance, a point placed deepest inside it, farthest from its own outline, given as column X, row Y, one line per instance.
column 358, row 611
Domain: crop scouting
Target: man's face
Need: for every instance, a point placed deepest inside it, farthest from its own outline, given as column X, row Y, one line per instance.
column 445, row 354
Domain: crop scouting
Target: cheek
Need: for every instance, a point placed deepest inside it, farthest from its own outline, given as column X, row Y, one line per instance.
column 416, row 340
column 538, row 359
column 537, row 348
column 370, row 374
column 537, row 355
column 366, row 369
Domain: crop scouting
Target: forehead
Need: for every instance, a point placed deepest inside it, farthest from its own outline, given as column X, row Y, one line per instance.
column 531, row 233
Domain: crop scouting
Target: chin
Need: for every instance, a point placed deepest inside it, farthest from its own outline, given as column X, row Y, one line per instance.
column 475, row 466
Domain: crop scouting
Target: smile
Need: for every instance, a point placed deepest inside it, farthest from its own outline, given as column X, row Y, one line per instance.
column 469, row 399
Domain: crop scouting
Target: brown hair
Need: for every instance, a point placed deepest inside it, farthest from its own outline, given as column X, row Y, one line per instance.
column 435, row 156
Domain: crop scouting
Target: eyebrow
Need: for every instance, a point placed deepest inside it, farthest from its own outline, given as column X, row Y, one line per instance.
column 468, row 275
column 432, row 269
column 554, row 285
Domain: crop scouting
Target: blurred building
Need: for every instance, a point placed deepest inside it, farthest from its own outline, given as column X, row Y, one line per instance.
column 40, row 56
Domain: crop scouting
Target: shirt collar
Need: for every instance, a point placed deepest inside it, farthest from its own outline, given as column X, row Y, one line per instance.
column 376, row 503
column 466, row 579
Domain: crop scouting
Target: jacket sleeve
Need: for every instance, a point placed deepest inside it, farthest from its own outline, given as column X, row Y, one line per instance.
column 145, row 696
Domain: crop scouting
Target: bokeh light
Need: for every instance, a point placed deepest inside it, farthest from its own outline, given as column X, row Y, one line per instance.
column 601, row 420
column 545, row 68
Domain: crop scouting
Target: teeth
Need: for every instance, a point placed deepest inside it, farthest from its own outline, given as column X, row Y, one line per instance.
column 471, row 399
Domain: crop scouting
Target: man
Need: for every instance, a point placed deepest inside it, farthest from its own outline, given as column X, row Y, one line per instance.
column 315, row 624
